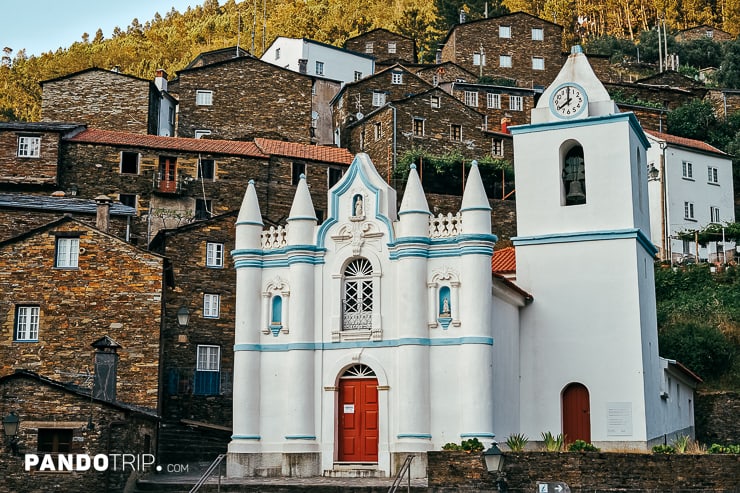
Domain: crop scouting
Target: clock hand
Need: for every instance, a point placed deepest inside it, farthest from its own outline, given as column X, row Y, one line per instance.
column 566, row 103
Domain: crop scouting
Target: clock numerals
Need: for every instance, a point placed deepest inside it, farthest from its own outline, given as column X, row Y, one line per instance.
column 567, row 101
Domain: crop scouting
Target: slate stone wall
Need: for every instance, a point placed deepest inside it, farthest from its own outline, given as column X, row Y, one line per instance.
column 405, row 49
column 16, row 170
column 717, row 417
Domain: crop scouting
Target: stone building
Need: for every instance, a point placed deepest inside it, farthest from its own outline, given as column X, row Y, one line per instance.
column 440, row 73
column 58, row 418
column 725, row 101
column 105, row 99
column 385, row 46
column 503, row 106
column 703, row 31
column 516, row 46
column 102, row 286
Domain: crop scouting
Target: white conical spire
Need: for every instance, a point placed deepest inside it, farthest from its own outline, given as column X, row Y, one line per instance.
column 475, row 208
column 414, row 209
column 249, row 222
column 302, row 219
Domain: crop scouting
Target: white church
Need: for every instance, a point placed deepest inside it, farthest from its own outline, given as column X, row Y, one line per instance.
column 381, row 333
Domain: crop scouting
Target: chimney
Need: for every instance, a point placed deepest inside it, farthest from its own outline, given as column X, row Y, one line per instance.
column 438, row 56
column 302, row 65
column 160, row 79
column 116, row 69
column 106, row 366
column 102, row 218
column 462, row 16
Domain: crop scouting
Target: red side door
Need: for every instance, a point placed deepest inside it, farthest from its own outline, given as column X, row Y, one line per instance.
column 576, row 413
column 167, row 174
column 358, row 420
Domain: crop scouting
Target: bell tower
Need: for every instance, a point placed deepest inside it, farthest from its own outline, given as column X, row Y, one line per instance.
column 583, row 250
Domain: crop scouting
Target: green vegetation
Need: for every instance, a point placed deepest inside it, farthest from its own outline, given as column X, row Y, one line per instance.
column 681, row 443
column 553, row 443
column 716, row 448
column 582, row 446
column 472, row 445
column 517, row 442
column 663, row 449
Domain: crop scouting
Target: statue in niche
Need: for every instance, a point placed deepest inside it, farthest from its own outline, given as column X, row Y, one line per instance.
column 445, row 307
column 358, row 206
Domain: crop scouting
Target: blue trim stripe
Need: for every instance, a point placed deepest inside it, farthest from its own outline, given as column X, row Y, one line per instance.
column 267, row 264
column 486, row 209
column 617, row 234
column 246, row 437
column 481, row 435
column 414, row 211
column 250, row 223
column 316, row 346
column 424, row 436
column 300, row 437
column 302, row 218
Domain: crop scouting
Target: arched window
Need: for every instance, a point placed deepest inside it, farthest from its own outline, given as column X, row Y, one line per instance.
column 574, row 177
column 358, row 295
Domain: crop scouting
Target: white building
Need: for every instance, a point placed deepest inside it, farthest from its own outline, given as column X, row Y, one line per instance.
column 379, row 334
column 690, row 187
column 319, row 59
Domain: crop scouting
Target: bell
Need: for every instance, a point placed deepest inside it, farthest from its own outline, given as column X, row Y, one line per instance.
column 575, row 192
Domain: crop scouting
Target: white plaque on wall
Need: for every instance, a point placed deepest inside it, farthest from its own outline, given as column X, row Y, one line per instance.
column 619, row 418
column 349, row 409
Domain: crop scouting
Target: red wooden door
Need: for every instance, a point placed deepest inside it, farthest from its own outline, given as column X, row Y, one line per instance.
column 358, row 420
column 167, row 174
column 576, row 413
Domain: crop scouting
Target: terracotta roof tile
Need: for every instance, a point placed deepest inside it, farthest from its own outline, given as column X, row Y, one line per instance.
column 685, row 142
column 504, row 260
column 231, row 147
column 302, row 151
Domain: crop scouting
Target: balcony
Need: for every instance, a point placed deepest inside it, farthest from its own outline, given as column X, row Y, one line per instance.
column 165, row 183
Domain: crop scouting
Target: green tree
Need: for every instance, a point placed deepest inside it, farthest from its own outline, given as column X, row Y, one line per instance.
column 702, row 348
column 694, row 120
column 700, row 53
column 729, row 70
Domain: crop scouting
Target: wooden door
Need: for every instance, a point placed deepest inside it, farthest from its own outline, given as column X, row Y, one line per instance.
column 576, row 413
column 167, row 174
column 358, row 420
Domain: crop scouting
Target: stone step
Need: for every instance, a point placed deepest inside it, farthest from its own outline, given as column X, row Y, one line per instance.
column 355, row 471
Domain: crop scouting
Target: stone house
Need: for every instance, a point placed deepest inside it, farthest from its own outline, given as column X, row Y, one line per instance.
column 30, row 155
column 516, row 46
column 432, row 121
column 365, row 95
column 503, row 106
column 102, row 286
column 703, row 31
column 106, row 99
column 725, row 101
column 60, row 418
column 385, row 46
column 445, row 72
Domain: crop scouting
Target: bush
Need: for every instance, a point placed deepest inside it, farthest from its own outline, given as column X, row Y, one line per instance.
column 663, row 449
column 703, row 349
column 553, row 443
column 517, row 442
column 681, row 443
column 582, row 446
column 471, row 445
column 716, row 448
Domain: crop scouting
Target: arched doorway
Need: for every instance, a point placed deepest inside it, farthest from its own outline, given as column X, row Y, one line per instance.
column 358, row 415
column 576, row 413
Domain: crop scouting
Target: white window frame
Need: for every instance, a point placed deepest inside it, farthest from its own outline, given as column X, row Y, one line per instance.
column 538, row 34
column 688, row 210
column 714, row 214
column 319, row 68
column 358, row 75
column 504, row 61
column 208, row 358
column 504, row 32
column 203, row 97
column 199, row 134
column 497, row 147
column 453, row 127
column 477, row 57
column 712, row 175
column 67, row 253
column 378, row 98
column 391, row 47
column 493, row 100
column 396, row 78
column 538, row 63
column 369, row 47
column 26, row 323
column 378, row 127
column 211, row 305
column 414, row 120
column 687, row 170
column 29, row 146
column 471, row 98
column 277, row 53
column 516, row 103
column 214, row 254
column 435, row 102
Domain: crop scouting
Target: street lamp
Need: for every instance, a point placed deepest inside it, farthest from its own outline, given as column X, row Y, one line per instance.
column 11, row 422
column 494, row 458
column 183, row 316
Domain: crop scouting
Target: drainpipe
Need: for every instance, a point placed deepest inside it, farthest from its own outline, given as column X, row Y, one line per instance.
column 394, row 135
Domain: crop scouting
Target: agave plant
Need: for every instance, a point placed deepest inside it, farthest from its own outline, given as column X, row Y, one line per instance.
column 681, row 443
column 517, row 442
column 553, row 443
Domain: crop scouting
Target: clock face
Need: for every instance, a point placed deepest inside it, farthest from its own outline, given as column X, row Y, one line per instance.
column 568, row 101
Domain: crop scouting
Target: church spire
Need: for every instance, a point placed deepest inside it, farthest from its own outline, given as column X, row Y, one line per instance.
column 475, row 209
column 414, row 209
column 302, row 218
column 249, row 222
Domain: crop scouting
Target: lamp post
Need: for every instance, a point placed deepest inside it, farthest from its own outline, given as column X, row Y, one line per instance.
column 183, row 316
column 11, row 423
column 494, row 459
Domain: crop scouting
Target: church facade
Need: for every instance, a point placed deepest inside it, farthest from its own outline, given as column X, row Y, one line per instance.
column 381, row 333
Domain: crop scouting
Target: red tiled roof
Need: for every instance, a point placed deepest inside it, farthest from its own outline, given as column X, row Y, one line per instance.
column 683, row 141
column 302, row 151
column 504, row 260
column 231, row 147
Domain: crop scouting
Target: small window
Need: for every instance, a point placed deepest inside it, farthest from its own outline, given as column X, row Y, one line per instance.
column 214, row 254
column 29, row 146
column 504, row 31
column 209, row 358
column 55, row 440
column 456, row 132
column 171, row 116
column 493, row 100
column 471, row 98
column 68, row 252
column 479, row 59
column 714, row 215
column 418, row 127
column 378, row 98
column 203, row 209
column 297, row 170
column 538, row 63
column 538, row 34
column 712, row 175
column 204, row 98
column 435, row 80
column 128, row 199
column 129, row 163
column 319, row 68
column 335, row 174
column 687, row 170
column 378, row 127
column 277, row 53
column 435, row 101
column 515, row 103
column 358, row 75
column 357, row 309
column 504, row 61
column 206, row 169
column 199, row 134
column 497, row 147
column 397, row 78
column 26, row 323
column 688, row 210
column 391, row 47
column 211, row 305
column 369, row 47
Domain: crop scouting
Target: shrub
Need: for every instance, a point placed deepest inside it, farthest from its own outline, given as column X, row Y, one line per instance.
column 582, row 446
column 681, row 443
column 517, row 442
column 451, row 446
column 716, row 448
column 553, row 443
column 470, row 446
column 663, row 449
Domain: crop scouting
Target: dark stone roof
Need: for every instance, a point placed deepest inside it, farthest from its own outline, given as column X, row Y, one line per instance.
column 60, row 204
column 41, row 126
